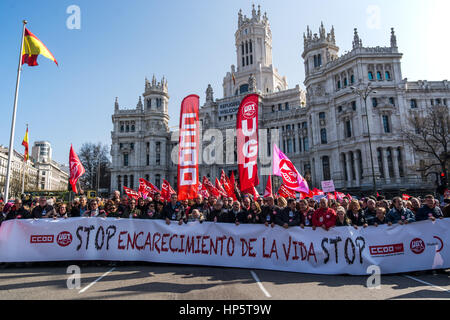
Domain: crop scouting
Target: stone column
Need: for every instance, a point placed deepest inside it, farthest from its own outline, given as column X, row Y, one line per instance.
column 395, row 163
column 163, row 153
column 387, row 177
column 357, row 168
column 152, row 152
column 349, row 169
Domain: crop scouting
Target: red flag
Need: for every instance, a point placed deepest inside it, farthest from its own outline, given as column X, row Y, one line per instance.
column 232, row 186
column 188, row 148
column 349, row 196
column 225, row 182
column 253, row 192
column 202, row 190
column 285, row 192
column 405, row 196
column 219, row 187
column 166, row 190
column 146, row 187
column 247, row 141
column 132, row 194
column 268, row 190
column 318, row 192
column 76, row 169
column 331, row 195
column 339, row 195
column 209, row 186
column 378, row 194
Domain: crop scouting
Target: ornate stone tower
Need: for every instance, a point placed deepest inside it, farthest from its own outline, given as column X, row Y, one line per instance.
column 318, row 49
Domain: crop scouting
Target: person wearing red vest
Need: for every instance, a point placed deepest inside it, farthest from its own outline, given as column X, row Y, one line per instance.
column 324, row 217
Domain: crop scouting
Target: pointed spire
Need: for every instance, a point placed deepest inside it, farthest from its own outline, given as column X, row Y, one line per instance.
column 357, row 42
column 253, row 11
column 259, row 12
column 322, row 31
column 154, row 81
column 139, row 105
column 393, row 39
column 333, row 38
column 116, row 104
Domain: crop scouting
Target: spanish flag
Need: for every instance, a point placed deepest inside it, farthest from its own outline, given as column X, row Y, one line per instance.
column 25, row 144
column 32, row 47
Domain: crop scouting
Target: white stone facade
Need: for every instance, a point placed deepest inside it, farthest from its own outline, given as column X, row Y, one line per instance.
column 323, row 130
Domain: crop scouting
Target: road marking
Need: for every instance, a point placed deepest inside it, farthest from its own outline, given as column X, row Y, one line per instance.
column 92, row 283
column 260, row 284
column 427, row 283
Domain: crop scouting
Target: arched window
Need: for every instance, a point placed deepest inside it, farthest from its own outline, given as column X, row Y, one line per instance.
column 370, row 75
column 125, row 180
column 158, row 181
column 243, row 88
column 379, row 78
column 352, row 79
column 345, row 82
column 319, row 60
column 246, row 47
column 149, row 103
column 250, row 44
column 400, row 162
column 387, row 75
column 389, row 156
column 348, row 129
column 131, row 181
column 242, row 46
column 243, row 61
column 339, row 84
column 326, row 168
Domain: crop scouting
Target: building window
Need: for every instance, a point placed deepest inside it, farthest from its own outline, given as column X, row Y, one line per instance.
column 387, row 75
column 392, row 101
column 148, row 159
column 387, row 128
column 352, row 79
column 286, row 106
column 354, row 105
column 243, row 88
column 121, row 127
column 289, row 146
column 400, row 163
column 158, row 153
column 305, row 125
column 340, row 109
column 251, row 59
column 322, row 115
column 326, row 168
column 379, row 78
column 131, row 181
column 132, row 146
column 370, row 75
column 305, row 144
column 374, row 102
column 120, row 146
column 132, row 128
column 413, row 103
column 345, row 82
column 339, row 84
column 380, row 162
column 119, row 182
column 125, row 160
column 390, row 162
column 158, row 181
column 319, row 60
column 147, row 177
column 127, row 128
column 348, row 129
column 243, row 61
column 323, row 136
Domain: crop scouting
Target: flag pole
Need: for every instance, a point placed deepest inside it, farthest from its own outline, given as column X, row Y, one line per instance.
column 24, row 166
column 13, row 122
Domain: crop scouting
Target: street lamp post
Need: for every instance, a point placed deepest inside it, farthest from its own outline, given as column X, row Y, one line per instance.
column 364, row 94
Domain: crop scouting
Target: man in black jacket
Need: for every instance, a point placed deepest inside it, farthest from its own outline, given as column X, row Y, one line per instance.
column 174, row 210
column 17, row 211
column 269, row 212
column 236, row 215
column 289, row 217
column 218, row 214
column 429, row 210
column 43, row 210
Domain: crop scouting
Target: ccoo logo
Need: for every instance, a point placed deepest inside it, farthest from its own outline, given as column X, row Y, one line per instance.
column 64, row 238
column 417, row 245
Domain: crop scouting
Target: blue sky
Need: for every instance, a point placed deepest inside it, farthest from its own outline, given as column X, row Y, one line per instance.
column 191, row 43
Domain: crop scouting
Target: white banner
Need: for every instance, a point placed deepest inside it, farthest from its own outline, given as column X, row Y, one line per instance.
column 343, row 250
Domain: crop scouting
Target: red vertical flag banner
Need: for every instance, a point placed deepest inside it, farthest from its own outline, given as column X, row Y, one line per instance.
column 268, row 191
column 247, row 142
column 188, row 148
column 76, row 169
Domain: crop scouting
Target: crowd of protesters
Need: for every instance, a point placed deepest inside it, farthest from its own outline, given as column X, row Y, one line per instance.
column 325, row 213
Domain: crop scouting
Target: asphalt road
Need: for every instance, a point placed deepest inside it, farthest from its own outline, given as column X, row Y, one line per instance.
column 175, row 282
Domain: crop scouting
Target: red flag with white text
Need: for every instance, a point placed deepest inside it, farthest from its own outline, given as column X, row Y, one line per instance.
column 146, row 188
column 247, row 141
column 166, row 190
column 188, row 148
column 221, row 189
column 132, row 194
column 268, row 190
column 210, row 187
column 285, row 192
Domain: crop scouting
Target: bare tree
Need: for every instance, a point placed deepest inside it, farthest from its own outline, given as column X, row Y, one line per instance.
column 429, row 135
column 95, row 160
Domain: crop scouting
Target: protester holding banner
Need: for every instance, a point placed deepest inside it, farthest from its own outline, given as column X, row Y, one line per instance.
column 289, row 217
column 342, row 219
column 356, row 214
column 94, row 210
column 399, row 214
column 269, row 212
column 43, row 210
column 236, row 215
column 380, row 217
column 370, row 212
column 83, row 205
column 254, row 213
column 174, row 211
column 429, row 210
column 132, row 212
column 306, row 213
column 17, row 211
column 324, row 217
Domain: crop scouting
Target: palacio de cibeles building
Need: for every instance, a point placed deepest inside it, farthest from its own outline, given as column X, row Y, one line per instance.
column 323, row 130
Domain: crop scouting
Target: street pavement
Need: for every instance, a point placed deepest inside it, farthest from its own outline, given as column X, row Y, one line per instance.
column 152, row 281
